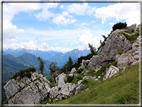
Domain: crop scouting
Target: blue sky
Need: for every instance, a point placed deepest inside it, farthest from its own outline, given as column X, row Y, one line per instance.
column 62, row 26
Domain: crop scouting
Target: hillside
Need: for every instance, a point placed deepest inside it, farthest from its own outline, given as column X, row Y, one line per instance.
column 123, row 88
column 110, row 76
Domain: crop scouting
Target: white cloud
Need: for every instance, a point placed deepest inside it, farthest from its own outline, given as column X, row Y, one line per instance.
column 43, row 46
column 59, row 19
column 87, row 37
column 111, row 23
column 64, row 34
column 32, row 45
column 92, row 21
column 63, row 19
column 60, row 49
column 79, row 9
column 103, row 21
column 84, row 24
column 11, row 9
column 61, row 6
column 10, row 31
column 128, row 11
column 26, row 45
column 45, row 14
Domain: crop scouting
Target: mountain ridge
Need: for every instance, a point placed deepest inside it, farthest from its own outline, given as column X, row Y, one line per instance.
column 60, row 58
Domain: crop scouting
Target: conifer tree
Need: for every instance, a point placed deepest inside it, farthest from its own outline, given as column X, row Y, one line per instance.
column 41, row 65
column 70, row 61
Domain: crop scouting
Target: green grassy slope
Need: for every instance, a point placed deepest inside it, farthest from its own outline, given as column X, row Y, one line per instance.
column 120, row 89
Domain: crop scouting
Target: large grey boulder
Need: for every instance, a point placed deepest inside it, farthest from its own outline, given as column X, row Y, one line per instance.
column 62, row 89
column 60, row 92
column 60, row 80
column 125, row 60
column 68, row 89
column 79, row 88
column 84, row 63
column 27, row 90
column 135, row 45
column 95, row 63
column 107, row 54
column 54, row 92
column 110, row 72
column 73, row 71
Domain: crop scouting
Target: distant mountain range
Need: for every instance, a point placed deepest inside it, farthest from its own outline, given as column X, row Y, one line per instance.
column 60, row 58
column 16, row 60
column 12, row 64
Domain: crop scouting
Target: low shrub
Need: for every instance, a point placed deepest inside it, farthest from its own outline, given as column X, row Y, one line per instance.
column 130, row 31
column 52, row 84
column 80, row 71
column 136, row 45
column 85, row 81
column 131, row 38
column 119, row 25
column 24, row 73
column 119, row 52
column 77, row 78
column 70, row 78
column 91, row 73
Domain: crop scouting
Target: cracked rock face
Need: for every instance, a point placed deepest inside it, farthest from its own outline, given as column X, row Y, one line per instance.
column 27, row 90
column 110, row 72
column 108, row 52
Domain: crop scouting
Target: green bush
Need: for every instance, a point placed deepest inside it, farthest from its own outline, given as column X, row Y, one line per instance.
column 85, row 81
column 70, row 78
column 52, row 84
column 136, row 45
column 130, row 31
column 80, row 71
column 131, row 38
column 119, row 52
column 79, row 78
column 119, row 26
column 24, row 73
column 91, row 73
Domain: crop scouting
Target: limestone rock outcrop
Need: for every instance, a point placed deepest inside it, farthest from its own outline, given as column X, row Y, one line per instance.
column 107, row 53
column 130, row 57
column 27, row 90
column 110, row 72
column 62, row 90
column 84, row 63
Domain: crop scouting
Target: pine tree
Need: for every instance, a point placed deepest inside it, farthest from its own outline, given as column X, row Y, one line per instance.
column 92, row 49
column 70, row 61
column 41, row 65
column 53, row 67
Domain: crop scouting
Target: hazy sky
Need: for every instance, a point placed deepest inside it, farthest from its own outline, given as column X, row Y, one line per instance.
column 62, row 26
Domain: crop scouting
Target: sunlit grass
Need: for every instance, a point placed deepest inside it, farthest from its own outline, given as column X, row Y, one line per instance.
column 122, row 89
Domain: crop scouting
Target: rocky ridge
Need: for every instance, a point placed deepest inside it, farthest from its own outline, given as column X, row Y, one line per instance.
column 33, row 90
